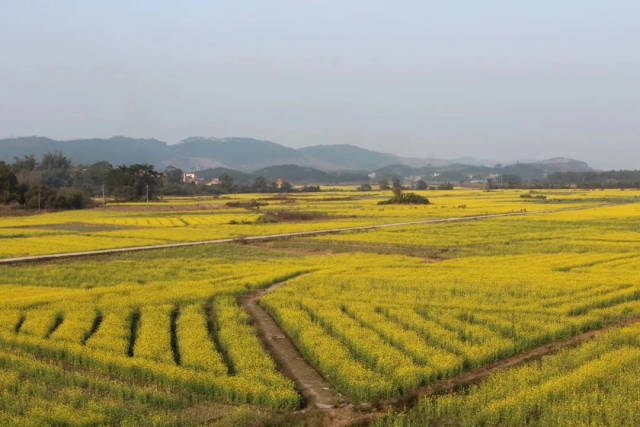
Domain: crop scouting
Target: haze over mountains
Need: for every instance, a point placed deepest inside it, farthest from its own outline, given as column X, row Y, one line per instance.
column 242, row 154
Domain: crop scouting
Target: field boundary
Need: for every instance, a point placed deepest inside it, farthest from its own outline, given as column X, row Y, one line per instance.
column 320, row 395
column 266, row 237
column 476, row 375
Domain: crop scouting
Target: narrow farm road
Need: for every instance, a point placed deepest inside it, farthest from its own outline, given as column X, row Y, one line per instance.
column 319, row 395
column 314, row 389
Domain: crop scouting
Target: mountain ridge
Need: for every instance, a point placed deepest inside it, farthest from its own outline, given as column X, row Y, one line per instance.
column 244, row 154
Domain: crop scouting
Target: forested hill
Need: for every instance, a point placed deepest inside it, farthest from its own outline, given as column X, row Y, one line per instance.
column 245, row 154
column 249, row 155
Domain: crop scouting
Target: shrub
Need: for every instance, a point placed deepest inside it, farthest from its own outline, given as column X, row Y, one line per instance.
column 251, row 204
column 533, row 195
column 406, row 199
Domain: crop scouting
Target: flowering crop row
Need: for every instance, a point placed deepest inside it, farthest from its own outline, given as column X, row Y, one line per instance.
column 594, row 384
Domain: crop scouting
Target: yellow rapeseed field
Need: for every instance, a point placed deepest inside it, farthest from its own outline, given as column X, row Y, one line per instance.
column 147, row 337
column 177, row 220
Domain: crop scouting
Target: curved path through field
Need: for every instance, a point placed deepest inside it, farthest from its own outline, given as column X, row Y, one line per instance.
column 318, row 394
column 244, row 239
column 315, row 390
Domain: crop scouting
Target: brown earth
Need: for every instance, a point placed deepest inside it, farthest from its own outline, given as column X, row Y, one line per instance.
column 284, row 215
column 303, row 246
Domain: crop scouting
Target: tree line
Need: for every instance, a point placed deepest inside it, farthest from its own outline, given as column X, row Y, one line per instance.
column 55, row 182
column 596, row 179
column 48, row 184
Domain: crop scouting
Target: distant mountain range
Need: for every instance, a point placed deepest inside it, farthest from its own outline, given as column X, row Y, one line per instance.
column 319, row 163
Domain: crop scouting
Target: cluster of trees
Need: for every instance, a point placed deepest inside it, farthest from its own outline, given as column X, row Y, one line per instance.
column 383, row 184
column 55, row 183
column 172, row 185
column 134, row 182
column 595, row 179
column 399, row 197
column 47, row 184
column 259, row 185
column 587, row 179
column 395, row 183
column 509, row 178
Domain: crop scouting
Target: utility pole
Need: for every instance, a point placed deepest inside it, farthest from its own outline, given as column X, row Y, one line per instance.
column 104, row 200
column 147, row 193
column 38, row 200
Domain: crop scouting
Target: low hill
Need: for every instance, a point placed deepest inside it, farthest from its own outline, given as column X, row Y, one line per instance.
column 292, row 173
column 115, row 150
column 237, row 153
column 245, row 158
column 563, row 164
column 344, row 156
column 199, row 153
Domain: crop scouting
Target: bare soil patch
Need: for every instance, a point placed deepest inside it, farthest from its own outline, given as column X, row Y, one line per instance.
column 16, row 210
column 285, row 198
column 251, row 204
column 301, row 246
column 336, row 199
column 286, row 215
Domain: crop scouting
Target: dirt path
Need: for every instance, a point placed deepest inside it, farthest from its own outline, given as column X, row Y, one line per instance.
column 319, row 395
column 244, row 239
column 316, row 392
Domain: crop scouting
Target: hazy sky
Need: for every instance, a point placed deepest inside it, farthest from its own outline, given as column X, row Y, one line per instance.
column 497, row 79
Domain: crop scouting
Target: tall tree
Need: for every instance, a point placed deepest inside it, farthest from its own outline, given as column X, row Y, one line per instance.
column 421, row 185
column 26, row 163
column 260, row 185
column 285, row 187
column 396, row 182
column 173, row 175
column 225, row 184
column 55, row 170
column 133, row 182
column 8, row 184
